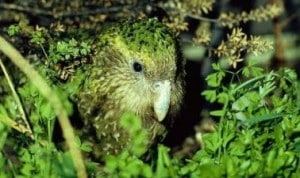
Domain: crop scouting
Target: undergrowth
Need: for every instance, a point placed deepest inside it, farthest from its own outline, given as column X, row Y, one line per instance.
column 258, row 129
column 257, row 134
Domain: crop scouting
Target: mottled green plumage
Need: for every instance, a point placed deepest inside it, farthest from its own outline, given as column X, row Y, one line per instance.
column 147, row 36
column 137, row 68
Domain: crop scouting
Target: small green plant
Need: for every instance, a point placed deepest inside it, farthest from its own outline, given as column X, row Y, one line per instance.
column 259, row 124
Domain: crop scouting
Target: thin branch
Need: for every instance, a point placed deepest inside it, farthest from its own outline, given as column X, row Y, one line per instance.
column 203, row 18
column 15, row 7
column 13, row 124
column 288, row 20
column 17, row 99
column 53, row 99
column 279, row 57
column 60, row 14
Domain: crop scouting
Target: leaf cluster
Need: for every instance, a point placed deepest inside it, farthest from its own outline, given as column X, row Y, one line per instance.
column 238, row 44
column 258, row 133
column 262, row 13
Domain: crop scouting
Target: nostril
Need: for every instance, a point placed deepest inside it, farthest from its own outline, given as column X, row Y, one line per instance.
column 161, row 84
column 156, row 85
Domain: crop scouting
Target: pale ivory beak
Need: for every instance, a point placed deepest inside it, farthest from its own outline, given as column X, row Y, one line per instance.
column 162, row 90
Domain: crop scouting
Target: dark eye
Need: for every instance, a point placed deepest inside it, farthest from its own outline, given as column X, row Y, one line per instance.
column 137, row 67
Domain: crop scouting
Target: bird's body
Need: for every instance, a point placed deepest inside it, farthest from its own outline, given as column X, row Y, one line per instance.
column 138, row 69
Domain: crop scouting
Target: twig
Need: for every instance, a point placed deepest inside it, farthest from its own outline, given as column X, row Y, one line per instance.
column 288, row 20
column 17, row 99
column 53, row 99
column 279, row 58
column 11, row 123
column 203, row 18
column 279, row 46
column 60, row 14
column 15, row 7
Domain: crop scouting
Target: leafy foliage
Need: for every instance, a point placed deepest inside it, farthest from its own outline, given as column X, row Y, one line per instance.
column 258, row 128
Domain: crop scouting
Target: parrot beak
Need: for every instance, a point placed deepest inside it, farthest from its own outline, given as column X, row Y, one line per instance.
column 162, row 91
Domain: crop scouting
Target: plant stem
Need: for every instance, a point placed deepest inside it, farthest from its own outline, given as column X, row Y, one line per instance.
column 17, row 99
column 52, row 97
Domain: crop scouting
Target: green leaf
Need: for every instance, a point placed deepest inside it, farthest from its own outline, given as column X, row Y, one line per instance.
column 216, row 66
column 163, row 162
column 46, row 111
column 72, row 43
column 37, row 37
column 131, row 122
column 218, row 113
column 62, row 47
column 210, row 95
column 223, row 98
column 256, row 71
column 266, row 117
column 86, row 146
column 214, row 79
column 13, row 30
column 246, row 71
column 85, row 48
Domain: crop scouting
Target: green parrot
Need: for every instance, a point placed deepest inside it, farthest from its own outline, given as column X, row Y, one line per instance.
column 138, row 69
